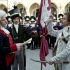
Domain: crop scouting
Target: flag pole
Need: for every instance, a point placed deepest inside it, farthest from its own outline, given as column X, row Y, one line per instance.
column 41, row 66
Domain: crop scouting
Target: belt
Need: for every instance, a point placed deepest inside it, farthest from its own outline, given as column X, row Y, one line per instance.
column 66, row 62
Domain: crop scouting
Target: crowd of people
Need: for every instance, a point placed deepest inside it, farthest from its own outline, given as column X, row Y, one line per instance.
column 12, row 35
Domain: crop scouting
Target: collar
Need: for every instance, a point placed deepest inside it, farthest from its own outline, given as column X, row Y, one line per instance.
column 5, row 30
column 66, row 31
column 15, row 24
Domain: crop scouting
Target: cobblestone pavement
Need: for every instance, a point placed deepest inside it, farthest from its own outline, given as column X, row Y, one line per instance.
column 34, row 54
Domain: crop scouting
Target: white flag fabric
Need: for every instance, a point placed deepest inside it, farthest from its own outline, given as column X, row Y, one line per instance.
column 45, row 12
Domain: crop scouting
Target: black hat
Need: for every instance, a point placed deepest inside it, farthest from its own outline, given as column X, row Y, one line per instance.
column 27, row 18
column 32, row 19
column 8, row 18
column 60, row 16
column 14, row 13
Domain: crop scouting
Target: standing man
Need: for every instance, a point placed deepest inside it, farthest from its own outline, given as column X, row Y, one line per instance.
column 19, row 33
column 62, row 42
column 26, row 24
column 34, row 29
column 7, row 48
column 27, row 21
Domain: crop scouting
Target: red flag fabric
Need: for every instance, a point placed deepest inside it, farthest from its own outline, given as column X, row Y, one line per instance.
column 43, row 16
column 43, row 49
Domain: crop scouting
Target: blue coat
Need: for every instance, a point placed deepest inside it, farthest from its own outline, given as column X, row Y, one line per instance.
column 6, row 50
column 36, row 28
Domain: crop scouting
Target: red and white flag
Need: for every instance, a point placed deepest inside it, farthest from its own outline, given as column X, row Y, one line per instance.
column 44, row 13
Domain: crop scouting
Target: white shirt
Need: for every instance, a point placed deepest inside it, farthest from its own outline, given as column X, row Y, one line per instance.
column 16, row 27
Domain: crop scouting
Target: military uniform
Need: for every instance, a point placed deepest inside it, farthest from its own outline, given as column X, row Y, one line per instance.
column 9, row 22
column 33, row 29
column 27, row 23
column 63, row 49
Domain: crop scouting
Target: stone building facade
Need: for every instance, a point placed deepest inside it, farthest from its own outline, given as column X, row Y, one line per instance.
column 31, row 7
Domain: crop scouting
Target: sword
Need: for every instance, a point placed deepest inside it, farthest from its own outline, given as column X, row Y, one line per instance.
column 39, row 61
column 65, row 62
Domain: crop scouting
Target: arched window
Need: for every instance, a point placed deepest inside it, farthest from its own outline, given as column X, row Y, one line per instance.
column 34, row 9
column 67, row 8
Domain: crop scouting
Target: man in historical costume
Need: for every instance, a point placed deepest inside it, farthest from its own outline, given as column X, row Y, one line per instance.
column 7, row 48
column 19, row 32
column 34, row 29
column 27, row 21
column 62, row 43
column 26, row 24
column 58, row 25
column 9, row 22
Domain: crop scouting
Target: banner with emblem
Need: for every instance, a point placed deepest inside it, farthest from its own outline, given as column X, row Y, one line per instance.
column 44, row 13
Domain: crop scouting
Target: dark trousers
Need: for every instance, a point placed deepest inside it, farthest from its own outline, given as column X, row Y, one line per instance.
column 19, row 60
column 9, row 67
column 48, row 38
column 52, row 41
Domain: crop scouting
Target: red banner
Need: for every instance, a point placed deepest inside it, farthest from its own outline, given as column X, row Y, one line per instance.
column 44, row 13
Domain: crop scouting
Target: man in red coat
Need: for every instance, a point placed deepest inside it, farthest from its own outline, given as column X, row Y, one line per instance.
column 7, row 48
